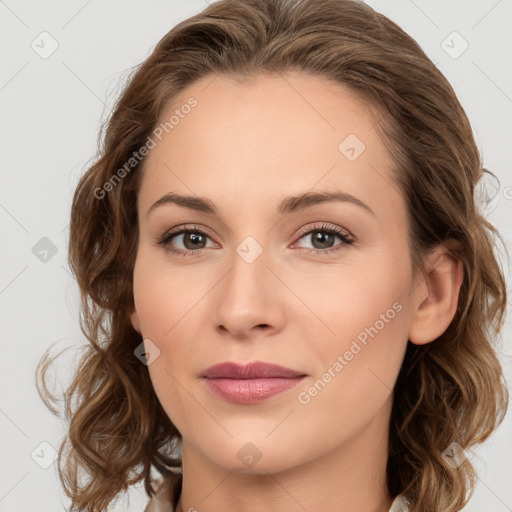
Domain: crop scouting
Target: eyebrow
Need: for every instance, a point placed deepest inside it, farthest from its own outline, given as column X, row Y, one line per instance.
column 288, row 205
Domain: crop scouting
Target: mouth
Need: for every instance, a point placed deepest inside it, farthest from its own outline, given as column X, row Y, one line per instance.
column 250, row 383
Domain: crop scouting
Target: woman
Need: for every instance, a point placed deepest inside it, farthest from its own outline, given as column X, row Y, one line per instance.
column 289, row 292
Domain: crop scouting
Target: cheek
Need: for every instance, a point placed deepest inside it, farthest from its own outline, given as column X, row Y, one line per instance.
column 168, row 306
column 163, row 298
column 356, row 369
column 370, row 340
column 353, row 301
column 361, row 339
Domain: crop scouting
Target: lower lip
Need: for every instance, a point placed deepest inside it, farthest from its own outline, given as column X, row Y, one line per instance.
column 249, row 391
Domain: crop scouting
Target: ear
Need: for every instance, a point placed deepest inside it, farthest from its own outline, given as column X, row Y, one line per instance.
column 134, row 318
column 436, row 296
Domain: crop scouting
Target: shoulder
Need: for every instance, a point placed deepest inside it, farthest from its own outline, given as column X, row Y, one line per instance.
column 162, row 501
column 401, row 504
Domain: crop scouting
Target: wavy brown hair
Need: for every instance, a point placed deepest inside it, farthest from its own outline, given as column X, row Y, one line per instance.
column 450, row 390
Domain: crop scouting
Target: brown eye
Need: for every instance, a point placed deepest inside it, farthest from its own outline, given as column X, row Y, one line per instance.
column 323, row 239
column 192, row 241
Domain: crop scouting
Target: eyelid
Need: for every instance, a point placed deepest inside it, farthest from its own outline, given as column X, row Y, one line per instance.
column 320, row 225
column 187, row 227
column 303, row 231
column 183, row 229
column 346, row 237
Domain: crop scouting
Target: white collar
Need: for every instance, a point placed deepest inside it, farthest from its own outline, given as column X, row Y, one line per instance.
column 401, row 504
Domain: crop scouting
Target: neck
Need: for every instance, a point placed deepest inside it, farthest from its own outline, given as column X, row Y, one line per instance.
column 350, row 477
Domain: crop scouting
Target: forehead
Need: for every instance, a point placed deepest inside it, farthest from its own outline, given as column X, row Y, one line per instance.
column 258, row 107
column 261, row 137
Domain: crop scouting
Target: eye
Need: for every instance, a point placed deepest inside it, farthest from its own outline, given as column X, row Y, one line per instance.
column 322, row 239
column 192, row 238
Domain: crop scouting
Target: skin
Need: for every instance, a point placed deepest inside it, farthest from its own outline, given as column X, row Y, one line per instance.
column 246, row 147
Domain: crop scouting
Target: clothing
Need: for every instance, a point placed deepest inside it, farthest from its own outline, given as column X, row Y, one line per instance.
column 401, row 504
column 161, row 502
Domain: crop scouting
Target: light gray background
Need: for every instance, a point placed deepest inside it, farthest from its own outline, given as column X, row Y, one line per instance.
column 50, row 115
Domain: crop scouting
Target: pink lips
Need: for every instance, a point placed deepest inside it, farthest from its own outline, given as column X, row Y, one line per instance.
column 250, row 383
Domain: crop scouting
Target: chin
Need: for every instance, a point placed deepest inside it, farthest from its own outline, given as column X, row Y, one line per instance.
column 255, row 455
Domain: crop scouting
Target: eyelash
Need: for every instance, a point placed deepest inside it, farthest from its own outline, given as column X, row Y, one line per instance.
column 324, row 228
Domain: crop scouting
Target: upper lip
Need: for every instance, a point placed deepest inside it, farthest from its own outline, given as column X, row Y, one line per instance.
column 254, row 370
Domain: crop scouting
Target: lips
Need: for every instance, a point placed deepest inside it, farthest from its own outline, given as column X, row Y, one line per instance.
column 256, row 370
column 250, row 383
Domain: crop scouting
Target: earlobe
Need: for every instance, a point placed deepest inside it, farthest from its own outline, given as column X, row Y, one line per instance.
column 437, row 297
column 134, row 318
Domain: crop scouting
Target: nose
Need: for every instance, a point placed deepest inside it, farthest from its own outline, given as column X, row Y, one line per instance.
column 249, row 299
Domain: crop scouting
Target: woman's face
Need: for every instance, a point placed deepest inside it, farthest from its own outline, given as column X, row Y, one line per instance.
column 322, row 287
